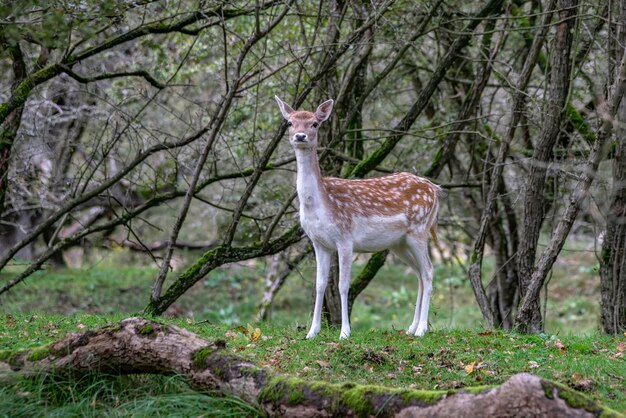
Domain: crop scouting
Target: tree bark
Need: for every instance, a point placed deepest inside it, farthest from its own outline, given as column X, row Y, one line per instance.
column 613, row 255
column 534, row 196
column 138, row 345
column 281, row 267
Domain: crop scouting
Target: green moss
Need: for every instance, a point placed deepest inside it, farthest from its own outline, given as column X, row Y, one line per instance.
column 327, row 389
column 577, row 400
column 148, row 330
column 200, row 356
column 40, row 353
column 207, row 258
column 362, row 400
column 253, row 371
column 548, row 389
column 610, row 413
column 427, row 397
column 280, row 387
column 357, row 401
column 10, row 356
column 295, row 395
column 7, row 355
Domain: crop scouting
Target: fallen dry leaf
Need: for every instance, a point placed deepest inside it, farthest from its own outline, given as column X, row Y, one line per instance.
column 256, row 334
column 485, row 333
column 323, row 364
column 533, row 364
column 621, row 346
column 469, row 369
column 51, row 325
column 558, row 344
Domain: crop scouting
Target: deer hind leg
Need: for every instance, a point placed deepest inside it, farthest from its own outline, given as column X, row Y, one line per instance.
column 322, row 260
column 414, row 252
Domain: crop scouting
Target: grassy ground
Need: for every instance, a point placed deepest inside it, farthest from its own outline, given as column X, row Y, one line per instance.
column 456, row 352
column 230, row 295
column 443, row 359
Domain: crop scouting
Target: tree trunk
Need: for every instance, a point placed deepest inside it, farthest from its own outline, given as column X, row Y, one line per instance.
column 138, row 345
column 534, row 196
column 613, row 264
column 280, row 268
column 332, row 300
column 613, row 256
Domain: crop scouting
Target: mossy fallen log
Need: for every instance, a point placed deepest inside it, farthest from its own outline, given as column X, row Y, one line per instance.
column 138, row 345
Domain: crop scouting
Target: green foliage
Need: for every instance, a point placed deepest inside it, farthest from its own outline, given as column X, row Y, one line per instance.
column 49, row 23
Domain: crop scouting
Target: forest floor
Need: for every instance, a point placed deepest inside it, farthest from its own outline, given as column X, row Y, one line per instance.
column 457, row 351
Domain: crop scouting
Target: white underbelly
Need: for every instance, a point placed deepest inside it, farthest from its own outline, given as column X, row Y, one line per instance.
column 378, row 233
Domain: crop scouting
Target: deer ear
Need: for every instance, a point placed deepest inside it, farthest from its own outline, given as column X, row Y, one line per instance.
column 323, row 111
column 285, row 109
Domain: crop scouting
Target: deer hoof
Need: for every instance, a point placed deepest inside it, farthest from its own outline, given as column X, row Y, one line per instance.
column 420, row 332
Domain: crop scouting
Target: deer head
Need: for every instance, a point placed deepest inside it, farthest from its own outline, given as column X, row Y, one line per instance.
column 303, row 125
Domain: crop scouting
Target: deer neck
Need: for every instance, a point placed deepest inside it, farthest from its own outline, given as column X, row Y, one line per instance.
column 309, row 179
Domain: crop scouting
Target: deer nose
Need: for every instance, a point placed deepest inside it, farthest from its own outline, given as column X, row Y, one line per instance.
column 299, row 137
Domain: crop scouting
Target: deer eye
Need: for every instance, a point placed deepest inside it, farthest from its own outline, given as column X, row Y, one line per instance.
column 289, row 123
column 315, row 124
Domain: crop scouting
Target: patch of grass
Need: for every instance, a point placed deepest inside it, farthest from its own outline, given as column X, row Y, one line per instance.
column 136, row 396
column 228, row 295
column 231, row 294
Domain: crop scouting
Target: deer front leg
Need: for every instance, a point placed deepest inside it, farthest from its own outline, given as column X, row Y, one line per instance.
column 322, row 260
column 426, row 277
column 345, row 267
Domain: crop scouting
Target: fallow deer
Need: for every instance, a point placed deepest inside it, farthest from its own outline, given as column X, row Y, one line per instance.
column 396, row 212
